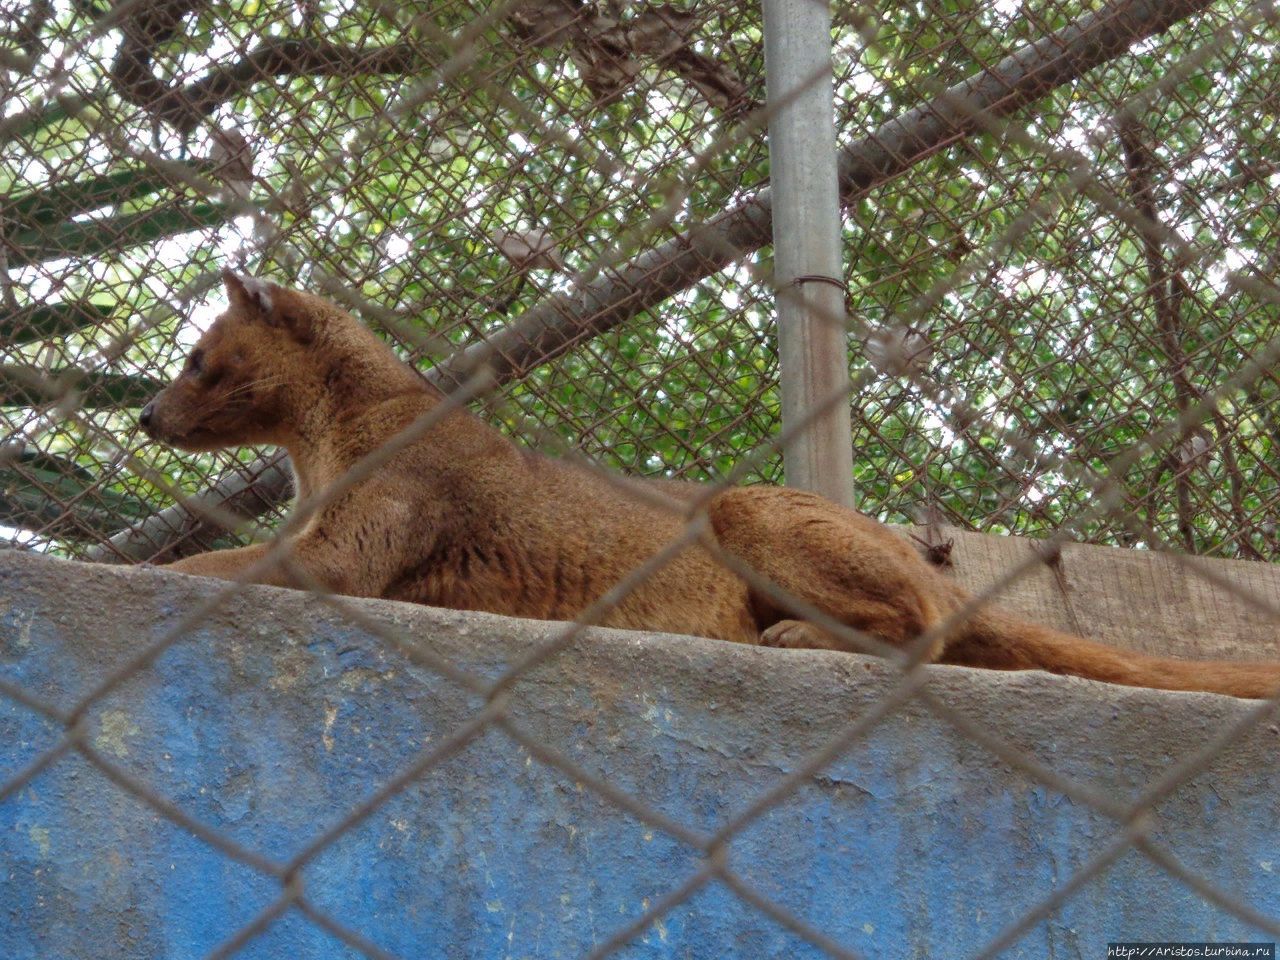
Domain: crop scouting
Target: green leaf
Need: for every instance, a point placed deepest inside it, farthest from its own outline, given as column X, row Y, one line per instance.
column 64, row 200
column 27, row 387
column 47, row 321
column 92, row 238
column 60, row 498
column 23, row 125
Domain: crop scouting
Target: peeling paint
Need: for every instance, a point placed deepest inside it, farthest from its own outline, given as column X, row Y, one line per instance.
column 289, row 670
column 358, row 677
column 330, row 716
column 115, row 729
column 40, row 837
column 15, row 635
column 23, row 640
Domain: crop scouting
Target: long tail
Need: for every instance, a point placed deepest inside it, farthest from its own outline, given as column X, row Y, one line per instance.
column 998, row 641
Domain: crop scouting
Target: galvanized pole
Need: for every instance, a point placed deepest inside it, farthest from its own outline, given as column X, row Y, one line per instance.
column 812, row 342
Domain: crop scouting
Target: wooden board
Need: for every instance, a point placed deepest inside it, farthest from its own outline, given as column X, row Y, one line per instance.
column 1162, row 603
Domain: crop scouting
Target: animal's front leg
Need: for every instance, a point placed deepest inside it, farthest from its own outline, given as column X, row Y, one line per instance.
column 228, row 564
column 360, row 544
column 310, row 561
column 355, row 546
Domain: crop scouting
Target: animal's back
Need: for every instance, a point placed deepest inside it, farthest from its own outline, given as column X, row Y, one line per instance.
column 530, row 536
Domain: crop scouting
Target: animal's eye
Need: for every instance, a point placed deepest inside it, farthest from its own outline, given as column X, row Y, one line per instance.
column 195, row 362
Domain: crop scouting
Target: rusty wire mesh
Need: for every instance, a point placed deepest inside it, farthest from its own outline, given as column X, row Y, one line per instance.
column 1060, row 233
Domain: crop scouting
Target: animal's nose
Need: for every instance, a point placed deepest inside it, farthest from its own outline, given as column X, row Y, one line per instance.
column 144, row 417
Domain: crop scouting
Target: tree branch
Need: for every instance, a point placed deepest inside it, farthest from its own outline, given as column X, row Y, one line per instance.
column 560, row 322
column 25, row 34
column 1164, row 289
column 610, row 53
column 185, row 106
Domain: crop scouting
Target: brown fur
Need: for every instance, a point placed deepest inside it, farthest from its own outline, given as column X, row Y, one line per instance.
column 463, row 518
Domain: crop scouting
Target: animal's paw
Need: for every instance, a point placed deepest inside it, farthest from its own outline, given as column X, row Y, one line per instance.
column 796, row 635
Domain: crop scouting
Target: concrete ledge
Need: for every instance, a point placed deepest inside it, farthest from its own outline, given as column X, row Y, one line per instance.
column 275, row 717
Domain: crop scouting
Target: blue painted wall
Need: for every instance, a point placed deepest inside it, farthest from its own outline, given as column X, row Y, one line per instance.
column 276, row 717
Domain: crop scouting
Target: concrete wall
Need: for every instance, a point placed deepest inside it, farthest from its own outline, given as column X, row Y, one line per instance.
column 276, row 716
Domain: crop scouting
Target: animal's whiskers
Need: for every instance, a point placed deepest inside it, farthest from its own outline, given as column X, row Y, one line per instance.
column 243, row 388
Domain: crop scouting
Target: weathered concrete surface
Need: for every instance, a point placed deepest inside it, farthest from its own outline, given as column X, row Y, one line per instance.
column 277, row 716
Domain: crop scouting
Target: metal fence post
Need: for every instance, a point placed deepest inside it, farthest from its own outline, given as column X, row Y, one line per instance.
column 812, row 342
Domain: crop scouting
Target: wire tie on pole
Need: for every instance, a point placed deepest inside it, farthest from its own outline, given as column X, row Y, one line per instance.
column 804, row 278
column 819, row 278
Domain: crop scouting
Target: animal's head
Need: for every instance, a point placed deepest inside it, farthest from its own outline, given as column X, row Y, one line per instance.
column 246, row 376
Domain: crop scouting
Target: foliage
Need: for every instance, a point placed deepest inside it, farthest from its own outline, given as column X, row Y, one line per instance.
column 1046, row 363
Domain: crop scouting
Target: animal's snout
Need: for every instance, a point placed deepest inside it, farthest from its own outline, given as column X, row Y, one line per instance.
column 144, row 418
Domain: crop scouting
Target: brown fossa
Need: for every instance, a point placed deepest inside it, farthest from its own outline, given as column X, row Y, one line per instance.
column 464, row 518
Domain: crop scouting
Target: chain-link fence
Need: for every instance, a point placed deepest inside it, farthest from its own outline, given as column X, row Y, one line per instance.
column 1060, row 225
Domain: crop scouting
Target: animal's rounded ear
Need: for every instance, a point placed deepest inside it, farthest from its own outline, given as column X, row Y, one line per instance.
column 249, row 293
column 297, row 323
column 269, row 303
